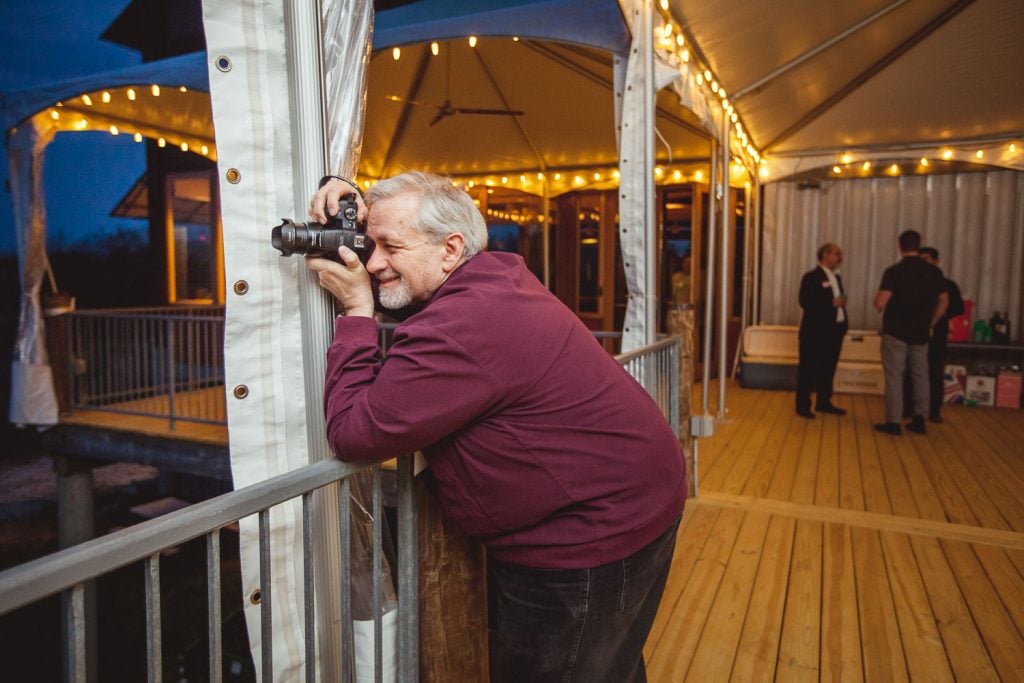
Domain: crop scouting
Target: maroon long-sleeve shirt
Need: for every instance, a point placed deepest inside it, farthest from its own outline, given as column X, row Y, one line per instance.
column 541, row 444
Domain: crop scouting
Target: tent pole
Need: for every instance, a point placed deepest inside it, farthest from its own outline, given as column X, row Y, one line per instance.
column 755, row 304
column 723, row 294
column 545, row 227
column 709, row 286
column 745, row 300
column 649, row 188
column 303, row 33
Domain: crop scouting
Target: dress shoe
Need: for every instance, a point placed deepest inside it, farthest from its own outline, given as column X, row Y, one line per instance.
column 916, row 425
column 936, row 418
column 805, row 412
column 831, row 409
column 889, row 428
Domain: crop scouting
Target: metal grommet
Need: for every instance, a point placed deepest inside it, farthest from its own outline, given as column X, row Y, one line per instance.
column 241, row 391
column 241, row 287
column 223, row 64
column 233, row 175
column 256, row 597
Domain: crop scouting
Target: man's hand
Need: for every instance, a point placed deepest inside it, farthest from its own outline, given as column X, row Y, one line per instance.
column 348, row 281
column 326, row 200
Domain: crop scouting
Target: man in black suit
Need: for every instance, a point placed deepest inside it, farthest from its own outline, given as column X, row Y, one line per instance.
column 822, row 328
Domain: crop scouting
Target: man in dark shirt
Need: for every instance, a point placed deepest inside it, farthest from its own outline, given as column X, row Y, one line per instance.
column 540, row 444
column 912, row 299
column 822, row 328
column 936, row 346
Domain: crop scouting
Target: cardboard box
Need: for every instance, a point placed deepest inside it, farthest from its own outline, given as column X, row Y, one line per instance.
column 1008, row 387
column 981, row 390
column 954, row 384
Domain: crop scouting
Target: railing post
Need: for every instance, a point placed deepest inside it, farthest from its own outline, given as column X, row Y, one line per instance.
column 170, row 371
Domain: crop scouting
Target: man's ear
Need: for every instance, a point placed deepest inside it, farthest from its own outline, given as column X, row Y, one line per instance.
column 454, row 248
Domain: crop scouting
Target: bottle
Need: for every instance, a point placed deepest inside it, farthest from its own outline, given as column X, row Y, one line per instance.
column 981, row 332
column 1001, row 328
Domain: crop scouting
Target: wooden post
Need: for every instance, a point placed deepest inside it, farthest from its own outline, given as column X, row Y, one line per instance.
column 76, row 524
column 453, row 597
column 681, row 322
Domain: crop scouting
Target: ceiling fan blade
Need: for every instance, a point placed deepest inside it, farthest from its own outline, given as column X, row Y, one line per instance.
column 505, row 112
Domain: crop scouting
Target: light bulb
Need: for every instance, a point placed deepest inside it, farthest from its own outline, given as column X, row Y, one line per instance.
column 435, row 49
column 396, row 53
column 472, row 41
column 155, row 90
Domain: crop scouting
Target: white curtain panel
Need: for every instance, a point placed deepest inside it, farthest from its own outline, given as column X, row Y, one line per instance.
column 975, row 220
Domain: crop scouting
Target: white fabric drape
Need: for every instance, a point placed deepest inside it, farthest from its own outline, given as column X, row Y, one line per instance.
column 975, row 220
column 33, row 400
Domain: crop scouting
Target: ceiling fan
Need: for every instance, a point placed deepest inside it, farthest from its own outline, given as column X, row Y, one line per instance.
column 448, row 109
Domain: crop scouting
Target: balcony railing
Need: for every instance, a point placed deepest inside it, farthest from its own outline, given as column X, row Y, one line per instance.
column 156, row 362
column 67, row 572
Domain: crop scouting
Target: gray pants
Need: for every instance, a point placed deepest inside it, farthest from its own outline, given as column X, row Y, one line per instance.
column 898, row 356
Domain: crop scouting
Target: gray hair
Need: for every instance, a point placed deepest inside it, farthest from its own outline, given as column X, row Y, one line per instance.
column 444, row 208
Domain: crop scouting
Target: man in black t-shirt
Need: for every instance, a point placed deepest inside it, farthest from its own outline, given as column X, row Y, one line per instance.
column 936, row 346
column 912, row 299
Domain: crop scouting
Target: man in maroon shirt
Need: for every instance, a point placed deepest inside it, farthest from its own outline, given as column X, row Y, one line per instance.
column 541, row 445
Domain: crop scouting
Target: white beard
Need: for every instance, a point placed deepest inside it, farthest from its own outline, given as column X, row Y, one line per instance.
column 395, row 297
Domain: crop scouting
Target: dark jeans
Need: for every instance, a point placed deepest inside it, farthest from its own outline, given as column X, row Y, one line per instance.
column 581, row 625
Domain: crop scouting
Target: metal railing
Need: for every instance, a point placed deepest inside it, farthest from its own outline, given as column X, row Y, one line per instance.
column 156, row 362
column 68, row 571
column 656, row 367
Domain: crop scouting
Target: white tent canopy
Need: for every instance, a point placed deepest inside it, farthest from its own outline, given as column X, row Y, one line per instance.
column 815, row 79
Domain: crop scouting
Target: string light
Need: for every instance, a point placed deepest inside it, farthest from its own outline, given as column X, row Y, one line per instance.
column 396, row 53
column 980, row 154
column 947, row 154
column 160, row 142
column 472, row 41
column 114, row 130
column 105, row 97
column 131, row 94
column 435, row 49
column 155, row 89
column 137, row 137
column 87, row 100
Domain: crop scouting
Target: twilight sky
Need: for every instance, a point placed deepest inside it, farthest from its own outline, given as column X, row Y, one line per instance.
column 85, row 174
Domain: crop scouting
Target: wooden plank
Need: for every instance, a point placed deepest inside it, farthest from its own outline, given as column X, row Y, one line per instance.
column 997, row 482
column 977, row 497
column 851, row 488
column 679, row 638
column 716, row 649
column 764, row 457
column 998, row 435
column 882, row 649
column 840, row 622
column 694, row 532
column 897, row 480
column 732, row 472
column 758, row 648
column 1006, row 579
column 869, row 520
column 1002, row 639
column 967, row 654
column 922, row 642
column 826, row 491
column 872, row 478
column 922, row 488
column 953, row 501
column 799, row 654
column 807, row 468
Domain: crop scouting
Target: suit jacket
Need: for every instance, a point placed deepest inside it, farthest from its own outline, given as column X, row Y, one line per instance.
column 816, row 300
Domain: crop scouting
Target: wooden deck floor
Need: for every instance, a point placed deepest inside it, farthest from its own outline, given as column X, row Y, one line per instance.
column 823, row 550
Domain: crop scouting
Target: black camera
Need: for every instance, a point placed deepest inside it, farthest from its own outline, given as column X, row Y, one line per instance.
column 313, row 239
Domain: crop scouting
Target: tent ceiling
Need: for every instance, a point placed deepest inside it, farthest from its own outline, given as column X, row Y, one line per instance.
column 564, row 91
column 925, row 72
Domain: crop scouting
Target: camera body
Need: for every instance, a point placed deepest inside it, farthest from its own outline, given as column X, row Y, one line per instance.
column 313, row 239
